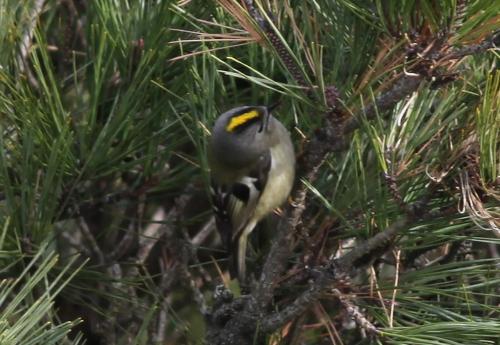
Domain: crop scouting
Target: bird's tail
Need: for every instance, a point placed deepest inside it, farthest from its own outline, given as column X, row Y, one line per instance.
column 238, row 253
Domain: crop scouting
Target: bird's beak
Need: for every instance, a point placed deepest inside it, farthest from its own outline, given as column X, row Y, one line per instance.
column 268, row 115
column 273, row 106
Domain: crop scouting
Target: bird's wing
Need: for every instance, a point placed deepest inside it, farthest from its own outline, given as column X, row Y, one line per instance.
column 234, row 204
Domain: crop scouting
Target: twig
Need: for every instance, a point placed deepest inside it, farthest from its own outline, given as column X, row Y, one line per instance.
column 395, row 290
column 94, row 246
column 379, row 294
column 159, row 335
column 125, row 243
column 323, row 316
column 283, row 53
column 207, row 229
column 354, row 312
column 26, row 42
column 197, row 294
column 78, row 19
column 403, row 87
column 364, row 253
column 298, row 306
column 168, row 277
column 152, row 234
column 158, row 227
column 492, row 41
column 335, row 271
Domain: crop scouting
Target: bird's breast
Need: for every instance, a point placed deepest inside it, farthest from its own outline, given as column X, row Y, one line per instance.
column 280, row 178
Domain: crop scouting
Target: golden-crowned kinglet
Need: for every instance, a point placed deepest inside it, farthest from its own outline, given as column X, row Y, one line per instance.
column 253, row 167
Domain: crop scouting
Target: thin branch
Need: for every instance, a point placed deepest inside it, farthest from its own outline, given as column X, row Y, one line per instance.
column 403, row 87
column 354, row 312
column 152, row 234
column 299, row 305
column 395, row 290
column 492, row 42
column 26, row 42
column 159, row 335
column 336, row 271
column 206, row 230
column 290, row 63
column 125, row 243
column 374, row 279
column 89, row 237
column 364, row 253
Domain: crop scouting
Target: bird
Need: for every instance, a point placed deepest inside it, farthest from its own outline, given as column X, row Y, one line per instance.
column 252, row 163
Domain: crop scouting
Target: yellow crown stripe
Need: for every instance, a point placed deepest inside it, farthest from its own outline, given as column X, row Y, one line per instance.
column 241, row 119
